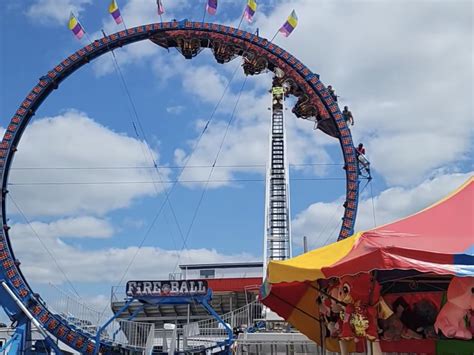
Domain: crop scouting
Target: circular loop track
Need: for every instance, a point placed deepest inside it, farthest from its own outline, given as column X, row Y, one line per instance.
column 314, row 103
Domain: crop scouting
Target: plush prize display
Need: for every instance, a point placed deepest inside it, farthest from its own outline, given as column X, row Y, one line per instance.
column 410, row 321
column 329, row 309
column 361, row 294
column 455, row 317
column 330, row 319
column 426, row 313
column 392, row 329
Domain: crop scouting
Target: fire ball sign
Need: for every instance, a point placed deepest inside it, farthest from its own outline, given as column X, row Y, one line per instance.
column 166, row 288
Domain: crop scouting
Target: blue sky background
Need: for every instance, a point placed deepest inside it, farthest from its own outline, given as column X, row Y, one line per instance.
column 404, row 68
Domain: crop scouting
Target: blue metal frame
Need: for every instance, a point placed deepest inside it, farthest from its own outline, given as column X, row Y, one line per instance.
column 156, row 300
column 102, row 328
column 201, row 299
column 22, row 332
column 230, row 334
column 15, row 341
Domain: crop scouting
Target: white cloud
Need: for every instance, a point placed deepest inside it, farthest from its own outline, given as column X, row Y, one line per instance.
column 99, row 265
column 400, row 160
column 320, row 222
column 133, row 53
column 93, row 185
column 98, row 302
column 175, row 110
column 55, row 11
column 78, row 227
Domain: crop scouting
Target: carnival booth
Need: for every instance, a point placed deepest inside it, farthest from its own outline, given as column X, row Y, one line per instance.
column 403, row 287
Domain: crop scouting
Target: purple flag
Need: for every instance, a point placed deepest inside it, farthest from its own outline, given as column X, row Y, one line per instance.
column 161, row 8
column 211, row 7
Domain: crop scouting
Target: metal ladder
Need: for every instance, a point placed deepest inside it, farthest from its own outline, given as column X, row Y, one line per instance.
column 277, row 238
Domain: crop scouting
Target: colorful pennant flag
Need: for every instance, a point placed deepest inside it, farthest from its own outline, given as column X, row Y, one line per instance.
column 115, row 12
column 161, row 9
column 250, row 9
column 75, row 26
column 290, row 24
column 211, row 7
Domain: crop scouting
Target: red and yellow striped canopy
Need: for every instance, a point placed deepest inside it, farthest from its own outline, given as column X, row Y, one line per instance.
column 439, row 240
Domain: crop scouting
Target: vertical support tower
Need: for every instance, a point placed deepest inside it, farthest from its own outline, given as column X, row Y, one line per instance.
column 277, row 240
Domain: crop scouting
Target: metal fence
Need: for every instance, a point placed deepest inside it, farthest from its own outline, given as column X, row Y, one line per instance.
column 276, row 344
column 130, row 334
column 75, row 311
column 121, row 332
column 207, row 333
column 255, row 336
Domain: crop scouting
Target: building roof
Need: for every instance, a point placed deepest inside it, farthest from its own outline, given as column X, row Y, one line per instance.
column 234, row 284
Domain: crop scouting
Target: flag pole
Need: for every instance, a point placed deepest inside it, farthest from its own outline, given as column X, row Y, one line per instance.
column 241, row 19
column 123, row 21
column 83, row 28
column 204, row 14
column 87, row 35
column 276, row 34
column 160, row 9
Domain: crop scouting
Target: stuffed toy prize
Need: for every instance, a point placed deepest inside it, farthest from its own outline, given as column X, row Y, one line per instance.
column 452, row 319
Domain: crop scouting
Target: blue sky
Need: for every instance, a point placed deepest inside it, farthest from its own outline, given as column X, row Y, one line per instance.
column 405, row 71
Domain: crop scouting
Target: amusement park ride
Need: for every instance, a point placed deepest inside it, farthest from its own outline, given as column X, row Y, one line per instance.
column 314, row 102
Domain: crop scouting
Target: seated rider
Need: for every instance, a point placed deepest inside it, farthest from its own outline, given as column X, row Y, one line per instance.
column 360, row 151
column 332, row 93
column 348, row 116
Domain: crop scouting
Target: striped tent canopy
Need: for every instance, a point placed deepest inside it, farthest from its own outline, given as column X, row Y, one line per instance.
column 439, row 240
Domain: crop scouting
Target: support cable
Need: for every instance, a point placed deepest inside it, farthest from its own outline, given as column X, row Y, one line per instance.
column 155, row 166
column 211, row 171
column 373, row 205
column 143, row 134
column 178, row 178
column 135, row 112
column 54, row 183
column 163, row 167
column 50, row 253
column 332, row 218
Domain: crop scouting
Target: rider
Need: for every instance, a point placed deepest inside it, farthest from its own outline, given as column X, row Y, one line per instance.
column 348, row 116
column 360, row 151
column 332, row 93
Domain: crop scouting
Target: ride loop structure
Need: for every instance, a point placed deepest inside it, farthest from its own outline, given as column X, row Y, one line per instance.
column 314, row 102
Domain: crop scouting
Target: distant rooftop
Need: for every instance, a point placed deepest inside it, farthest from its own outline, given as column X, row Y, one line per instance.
column 250, row 264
